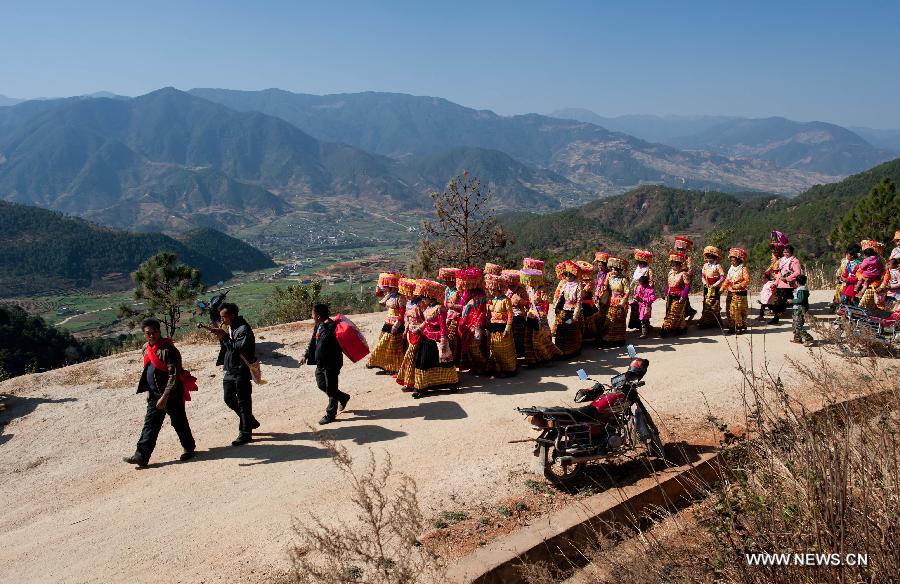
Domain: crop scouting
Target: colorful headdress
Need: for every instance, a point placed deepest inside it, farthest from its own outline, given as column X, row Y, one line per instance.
column 570, row 267
column 533, row 264
column 586, row 269
column 490, row 268
column 873, row 245
column 468, row 278
column 897, row 235
column 683, row 243
column 532, row 277
column 713, row 251
column 601, row 256
column 447, row 273
column 389, row 279
column 738, row 252
column 430, row 288
column 779, row 238
column 407, row 286
column 512, row 277
column 560, row 270
column 618, row 263
column 642, row 255
column 677, row 257
column 494, row 282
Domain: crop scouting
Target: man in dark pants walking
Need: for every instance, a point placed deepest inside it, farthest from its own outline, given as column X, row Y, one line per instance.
column 237, row 352
column 165, row 395
column 325, row 353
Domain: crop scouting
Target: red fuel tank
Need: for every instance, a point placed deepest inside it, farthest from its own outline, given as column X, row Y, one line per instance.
column 607, row 400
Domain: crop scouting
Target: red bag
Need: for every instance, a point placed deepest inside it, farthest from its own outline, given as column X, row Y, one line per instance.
column 350, row 338
column 188, row 381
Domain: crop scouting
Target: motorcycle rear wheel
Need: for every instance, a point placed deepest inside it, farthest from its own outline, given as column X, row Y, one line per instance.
column 558, row 473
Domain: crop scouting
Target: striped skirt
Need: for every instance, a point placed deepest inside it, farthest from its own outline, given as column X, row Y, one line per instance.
column 614, row 327
column 539, row 347
column 502, row 353
column 428, row 371
column 867, row 300
column 568, row 336
column 674, row 321
column 737, row 310
column 407, row 371
column 473, row 357
column 712, row 307
column 388, row 352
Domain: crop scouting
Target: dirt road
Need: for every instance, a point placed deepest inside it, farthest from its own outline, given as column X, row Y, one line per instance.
column 74, row 512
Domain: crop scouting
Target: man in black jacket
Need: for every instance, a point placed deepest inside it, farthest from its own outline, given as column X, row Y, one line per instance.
column 238, row 350
column 165, row 395
column 325, row 353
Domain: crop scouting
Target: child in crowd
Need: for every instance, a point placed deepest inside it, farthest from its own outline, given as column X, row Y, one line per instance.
column 644, row 296
column 800, row 304
column 891, row 283
column 766, row 297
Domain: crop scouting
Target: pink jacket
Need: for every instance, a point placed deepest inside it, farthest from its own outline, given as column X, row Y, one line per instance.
column 788, row 270
column 645, row 297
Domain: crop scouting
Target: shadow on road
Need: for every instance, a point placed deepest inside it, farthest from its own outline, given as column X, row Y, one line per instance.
column 427, row 410
column 12, row 407
column 267, row 353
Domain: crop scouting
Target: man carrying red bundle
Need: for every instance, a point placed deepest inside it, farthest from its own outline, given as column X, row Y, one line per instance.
column 164, row 379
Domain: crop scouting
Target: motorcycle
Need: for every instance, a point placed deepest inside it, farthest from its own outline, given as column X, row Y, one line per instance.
column 613, row 423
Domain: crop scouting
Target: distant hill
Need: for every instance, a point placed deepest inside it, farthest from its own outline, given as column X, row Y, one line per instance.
column 4, row 100
column 405, row 126
column 638, row 216
column 44, row 251
column 810, row 146
column 660, row 129
column 887, row 139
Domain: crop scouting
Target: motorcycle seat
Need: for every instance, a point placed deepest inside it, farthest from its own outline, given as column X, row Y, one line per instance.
column 586, row 415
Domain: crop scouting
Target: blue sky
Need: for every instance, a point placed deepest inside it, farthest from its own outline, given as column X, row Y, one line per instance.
column 831, row 61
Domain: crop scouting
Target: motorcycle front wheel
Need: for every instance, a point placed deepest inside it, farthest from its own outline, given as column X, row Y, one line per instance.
column 557, row 472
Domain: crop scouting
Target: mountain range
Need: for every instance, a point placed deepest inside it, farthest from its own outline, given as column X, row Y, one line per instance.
column 809, row 146
column 173, row 160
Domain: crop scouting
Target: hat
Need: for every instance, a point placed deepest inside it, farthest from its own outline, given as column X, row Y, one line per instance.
column 738, row 252
column 570, row 267
column 494, row 282
column 601, row 256
column 389, row 279
column 677, row 257
column 531, row 277
column 408, row 286
column 447, row 273
column 897, row 235
column 533, row 264
column 490, row 268
column 683, row 243
column 713, row 251
column 430, row 288
column 468, row 278
column 872, row 244
column 512, row 277
column 586, row 269
column 779, row 238
column 618, row 263
column 642, row 255
column 560, row 270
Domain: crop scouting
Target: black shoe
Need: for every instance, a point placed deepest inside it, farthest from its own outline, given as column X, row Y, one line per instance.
column 136, row 459
column 343, row 403
column 326, row 420
column 187, row 455
column 254, row 424
column 242, row 439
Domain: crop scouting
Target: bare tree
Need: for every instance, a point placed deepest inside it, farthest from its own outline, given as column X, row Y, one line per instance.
column 465, row 231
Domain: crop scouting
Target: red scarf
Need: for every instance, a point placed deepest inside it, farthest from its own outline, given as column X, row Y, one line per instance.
column 188, row 381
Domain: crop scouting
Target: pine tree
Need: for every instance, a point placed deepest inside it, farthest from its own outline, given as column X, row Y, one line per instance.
column 465, row 231
column 166, row 287
column 875, row 216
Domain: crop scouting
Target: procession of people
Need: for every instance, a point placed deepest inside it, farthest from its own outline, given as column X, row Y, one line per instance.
column 488, row 321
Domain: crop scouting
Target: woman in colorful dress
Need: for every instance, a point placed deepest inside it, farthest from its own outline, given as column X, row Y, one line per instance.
column 589, row 311
column 413, row 319
column 433, row 366
column 567, row 327
column 869, row 273
column 737, row 280
column 678, row 288
column 776, row 246
column 713, row 275
column 539, row 347
column 601, row 290
column 518, row 297
column 643, row 259
column 684, row 246
column 453, row 304
column 789, row 268
column 391, row 345
column 619, row 290
column 502, row 347
column 472, row 345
